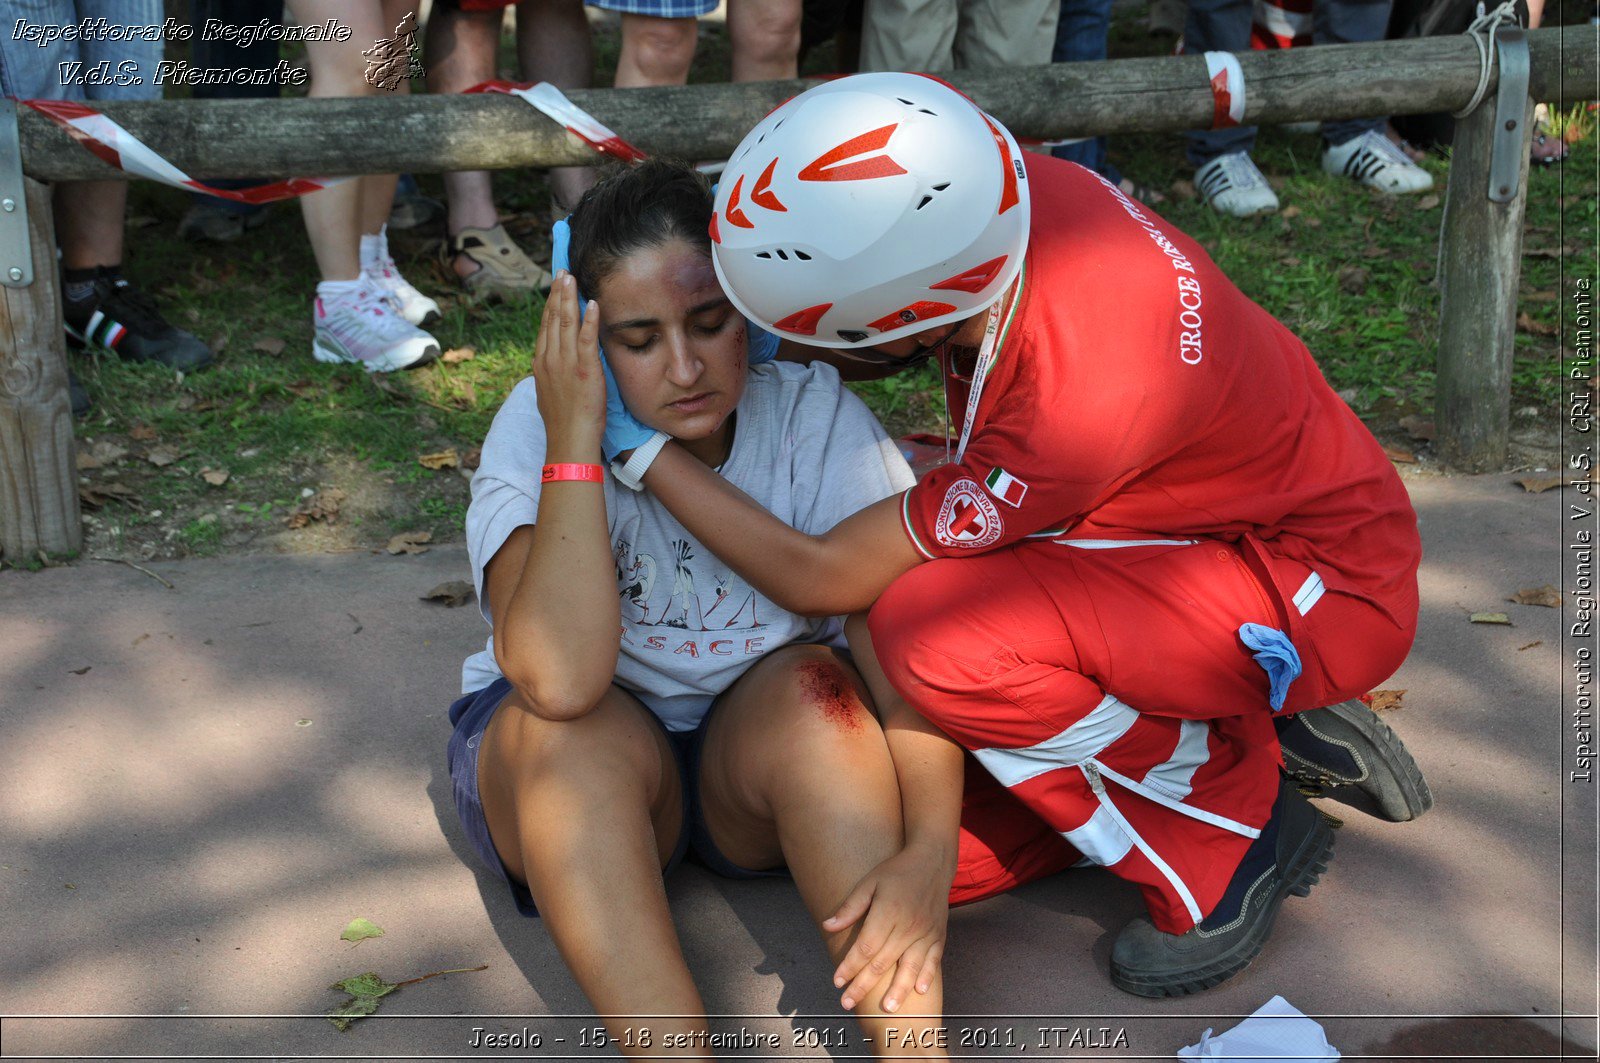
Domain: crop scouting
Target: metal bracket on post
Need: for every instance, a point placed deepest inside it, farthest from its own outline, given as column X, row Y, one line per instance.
column 1510, row 105
column 16, row 251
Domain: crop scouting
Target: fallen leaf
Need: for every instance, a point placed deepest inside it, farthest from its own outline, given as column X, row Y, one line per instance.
column 1418, row 427
column 323, row 506
column 442, row 459
column 161, row 456
column 108, row 453
column 1353, row 279
column 143, row 433
column 96, row 495
column 1182, row 189
column 456, row 355
column 471, row 458
column 80, row 671
column 269, row 345
column 86, row 461
column 410, row 542
column 302, row 722
column 302, row 388
column 452, row 593
column 1387, row 700
column 214, row 477
column 1290, row 260
column 1538, row 295
column 1288, row 212
column 1428, row 202
column 1531, row 645
column 1539, row 484
column 1312, row 220
column 365, row 991
column 1491, row 618
column 1537, row 328
column 1547, row 596
column 360, row 930
column 1400, row 454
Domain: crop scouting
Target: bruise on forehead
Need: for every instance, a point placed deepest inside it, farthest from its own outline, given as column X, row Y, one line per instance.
column 692, row 272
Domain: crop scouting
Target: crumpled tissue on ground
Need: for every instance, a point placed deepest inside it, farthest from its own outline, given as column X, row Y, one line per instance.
column 1278, row 1032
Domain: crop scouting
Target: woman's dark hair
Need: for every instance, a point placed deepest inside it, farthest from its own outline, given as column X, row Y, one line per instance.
column 636, row 207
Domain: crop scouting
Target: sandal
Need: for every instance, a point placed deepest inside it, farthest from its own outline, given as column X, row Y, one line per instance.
column 503, row 270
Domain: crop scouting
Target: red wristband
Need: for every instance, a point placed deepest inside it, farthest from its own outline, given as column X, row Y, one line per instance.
column 558, row 473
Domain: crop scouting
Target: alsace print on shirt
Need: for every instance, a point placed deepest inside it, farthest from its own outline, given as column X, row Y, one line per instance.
column 698, row 608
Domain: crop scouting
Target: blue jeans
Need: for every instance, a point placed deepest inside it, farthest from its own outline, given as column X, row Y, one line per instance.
column 260, row 55
column 31, row 69
column 1081, row 37
column 1224, row 26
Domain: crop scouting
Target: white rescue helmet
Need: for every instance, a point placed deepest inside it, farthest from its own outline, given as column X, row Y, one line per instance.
column 868, row 209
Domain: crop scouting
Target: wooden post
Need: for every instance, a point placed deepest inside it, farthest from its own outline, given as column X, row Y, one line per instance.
column 1480, row 267
column 38, row 467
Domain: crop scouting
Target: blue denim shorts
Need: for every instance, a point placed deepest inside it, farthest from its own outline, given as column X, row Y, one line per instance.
column 658, row 8
column 469, row 718
column 49, row 67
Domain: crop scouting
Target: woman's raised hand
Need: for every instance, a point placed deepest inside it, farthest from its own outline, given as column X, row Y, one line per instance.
column 903, row 906
column 566, row 369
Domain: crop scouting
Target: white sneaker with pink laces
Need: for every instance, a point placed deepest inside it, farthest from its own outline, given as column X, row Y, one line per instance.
column 359, row 324
column 377, row 266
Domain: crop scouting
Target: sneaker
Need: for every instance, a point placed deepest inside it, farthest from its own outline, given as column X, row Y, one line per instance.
column 1289, row 857
column 1345, row 752
column 364, row 328
column 1375, row 161
column 116, row 316
column 384, row 275
column 211, row 221
column 412, row 208
column 1232, row 184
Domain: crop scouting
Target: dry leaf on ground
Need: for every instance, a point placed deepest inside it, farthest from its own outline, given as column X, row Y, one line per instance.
column 471, row 458
column 1537, row 484
column 1182, row 189
column 143, row 433
column 1418, row 427
column 269, row 345
column 410, row 542
column 1428, row 202
column 162, row 456
column 106, row 452
column 456, row 355
column 441, row 459
column 1538, row 328
column 452, row 593
column 1353, row 279
column 1387, row 700
column 96, row 495
column 1400, row 454
column 323, row 506
column 1531, row 645
column 214, row 477
column 1491, row 618
column 1547, row 596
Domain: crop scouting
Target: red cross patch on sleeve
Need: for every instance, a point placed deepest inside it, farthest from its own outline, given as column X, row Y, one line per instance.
column 967, row 517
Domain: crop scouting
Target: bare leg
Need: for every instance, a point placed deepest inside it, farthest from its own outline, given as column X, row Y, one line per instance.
column 765, row 38
column 655, row 51
column 554, row 45
column 784, row 737
column 586, row 812
column 89, row 221
column 460, row 49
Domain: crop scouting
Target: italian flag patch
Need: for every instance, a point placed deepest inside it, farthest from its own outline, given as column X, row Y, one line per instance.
column 1005, row 487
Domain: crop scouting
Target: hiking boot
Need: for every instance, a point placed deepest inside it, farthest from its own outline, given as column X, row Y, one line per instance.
column 1377, row 162
column 364, row 328
column 1289, row 857
column 116, row 316
column 1345, row 752
column 1232, row 184
column 215, row 222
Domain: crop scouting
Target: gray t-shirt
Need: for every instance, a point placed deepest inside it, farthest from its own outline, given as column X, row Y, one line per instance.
column 804, row 447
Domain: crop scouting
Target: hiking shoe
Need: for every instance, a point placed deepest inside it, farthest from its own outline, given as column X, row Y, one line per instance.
column 412, row 208
column 1377, row 162
column 364, row 328
column 383, row 274
column 1345, row 752
column 1232, row 184
column 116, row 316
column 1290, row 855
column 214, row 222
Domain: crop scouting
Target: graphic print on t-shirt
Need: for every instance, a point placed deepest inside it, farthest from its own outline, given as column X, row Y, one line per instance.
column 649, row 601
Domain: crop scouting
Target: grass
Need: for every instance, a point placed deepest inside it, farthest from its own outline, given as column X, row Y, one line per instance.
column 1350, row 271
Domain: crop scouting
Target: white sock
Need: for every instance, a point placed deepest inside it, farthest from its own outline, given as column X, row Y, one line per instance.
column 374, row 249
column 339, row 290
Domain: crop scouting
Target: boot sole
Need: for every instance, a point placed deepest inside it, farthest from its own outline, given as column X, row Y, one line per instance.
column 1394, row 790
column 1305, row 868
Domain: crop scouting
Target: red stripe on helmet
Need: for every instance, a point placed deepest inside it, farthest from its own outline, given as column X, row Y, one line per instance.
column 907, row 314
column 832, row 165
column 1008, row 188
column 803, row 322
column 762, row 194
column 716, row 234
column 973, row 280
column 736, row 215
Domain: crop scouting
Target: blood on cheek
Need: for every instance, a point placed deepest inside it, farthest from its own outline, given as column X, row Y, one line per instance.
column 825, row 686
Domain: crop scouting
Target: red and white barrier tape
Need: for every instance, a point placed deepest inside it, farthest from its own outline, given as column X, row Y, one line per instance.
column 550, row 101
column 127, row 152
column 1227, row 89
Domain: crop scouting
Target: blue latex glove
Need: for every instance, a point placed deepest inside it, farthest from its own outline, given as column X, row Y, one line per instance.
column 623, row 429
column 1277, row 655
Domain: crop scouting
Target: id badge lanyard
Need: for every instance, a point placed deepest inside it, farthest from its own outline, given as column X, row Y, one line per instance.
column 996, row 327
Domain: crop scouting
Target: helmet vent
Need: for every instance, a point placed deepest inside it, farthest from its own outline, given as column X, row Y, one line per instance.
column 925, row 201
column 802, row 256
column 850, row 335
column 941, row 188
column 782, row 255
column 763, row 254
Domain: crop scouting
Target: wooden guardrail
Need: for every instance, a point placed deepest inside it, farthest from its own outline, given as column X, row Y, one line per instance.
column 1480, row 248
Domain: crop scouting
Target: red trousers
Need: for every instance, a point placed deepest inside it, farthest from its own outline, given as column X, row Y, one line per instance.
column 1106, row 690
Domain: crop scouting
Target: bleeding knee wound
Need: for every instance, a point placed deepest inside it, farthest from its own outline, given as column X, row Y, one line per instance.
column 827, row 688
